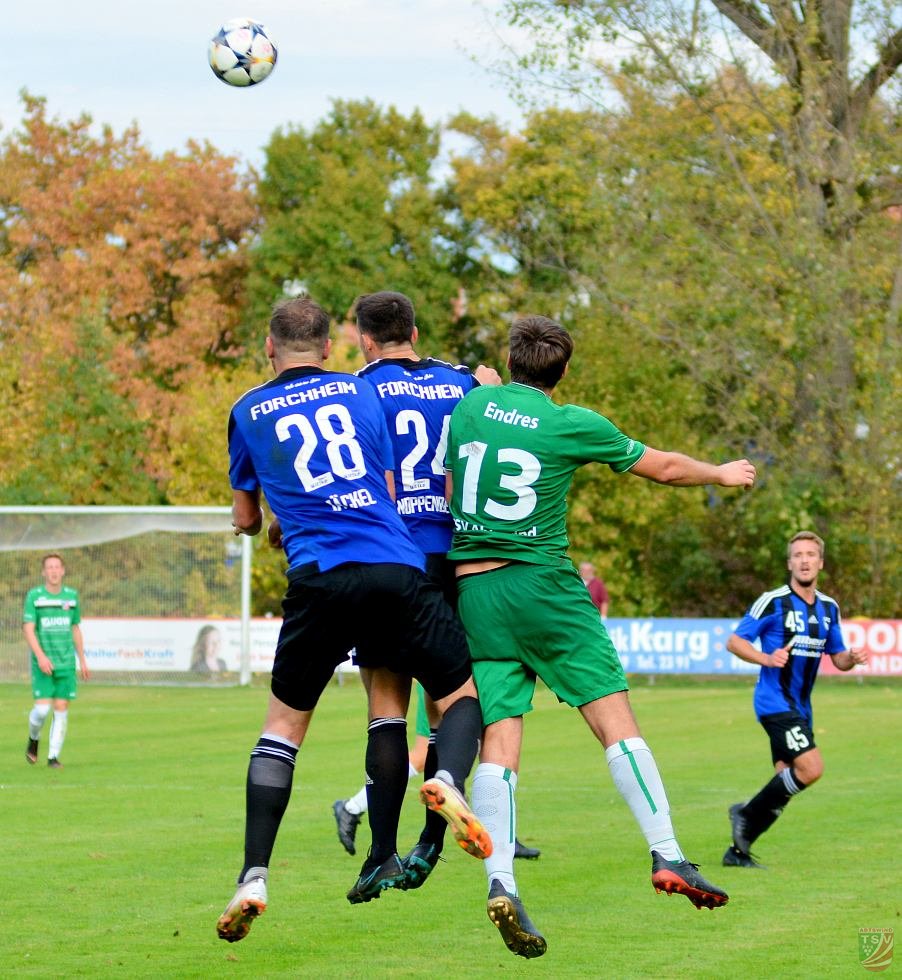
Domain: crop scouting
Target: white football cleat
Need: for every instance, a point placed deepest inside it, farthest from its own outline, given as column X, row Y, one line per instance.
column 249, row 902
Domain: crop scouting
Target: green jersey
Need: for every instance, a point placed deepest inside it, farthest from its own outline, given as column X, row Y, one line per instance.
column 54, row 614
column 512, row 453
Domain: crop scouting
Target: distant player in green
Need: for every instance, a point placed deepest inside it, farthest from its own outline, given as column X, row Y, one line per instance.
column 512, row 453
column 51, row 626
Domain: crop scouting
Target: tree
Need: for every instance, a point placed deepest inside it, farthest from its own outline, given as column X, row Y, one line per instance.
column 350, row 208
column 831, row 57
column 701, row 328
column 145, row 253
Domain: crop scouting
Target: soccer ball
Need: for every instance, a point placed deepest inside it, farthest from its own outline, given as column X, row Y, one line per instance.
column 242, row 52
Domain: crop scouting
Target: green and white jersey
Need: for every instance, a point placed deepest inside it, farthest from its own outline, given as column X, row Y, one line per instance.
column 512, row 453
column 54, row 614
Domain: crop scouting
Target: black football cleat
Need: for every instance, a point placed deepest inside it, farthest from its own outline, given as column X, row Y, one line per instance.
column 31, row 751
column 519, row 934
column 683, row 878
column 375, row 878
column 524, row 852
column 739, row 828
column 347, row 823
column 734, row 858
column 419, row 863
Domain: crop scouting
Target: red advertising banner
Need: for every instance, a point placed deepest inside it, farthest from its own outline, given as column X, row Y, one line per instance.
column 881, row 638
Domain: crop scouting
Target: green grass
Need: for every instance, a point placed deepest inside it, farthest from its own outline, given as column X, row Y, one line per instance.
column 119, row 864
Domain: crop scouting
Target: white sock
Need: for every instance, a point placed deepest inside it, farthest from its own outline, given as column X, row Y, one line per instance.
column 357, row 803
column 494, row 804
column 58, row 733
column 36, row 720
column 636, row 775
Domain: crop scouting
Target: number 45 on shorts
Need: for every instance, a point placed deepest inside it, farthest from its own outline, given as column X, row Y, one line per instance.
column 796, row 739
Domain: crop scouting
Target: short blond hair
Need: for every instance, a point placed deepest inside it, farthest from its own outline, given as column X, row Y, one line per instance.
column 805, row 536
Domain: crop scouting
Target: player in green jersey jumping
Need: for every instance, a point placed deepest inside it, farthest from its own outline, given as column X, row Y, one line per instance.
column 51, row 625
column 512, row 453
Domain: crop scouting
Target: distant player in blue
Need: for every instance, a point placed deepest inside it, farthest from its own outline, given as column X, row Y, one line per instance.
column 316, row 444
column 795, row 625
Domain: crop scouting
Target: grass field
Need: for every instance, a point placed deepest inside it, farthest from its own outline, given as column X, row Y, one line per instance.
column 120, row 863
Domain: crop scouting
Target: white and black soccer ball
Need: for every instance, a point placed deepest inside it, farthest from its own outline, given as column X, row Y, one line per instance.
column 242, row 52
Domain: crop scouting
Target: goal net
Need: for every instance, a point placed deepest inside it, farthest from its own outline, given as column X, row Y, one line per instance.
column 164, row 591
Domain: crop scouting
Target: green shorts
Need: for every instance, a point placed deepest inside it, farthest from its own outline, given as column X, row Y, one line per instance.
column 60, row 685
column 527, row 621
column 422, row 727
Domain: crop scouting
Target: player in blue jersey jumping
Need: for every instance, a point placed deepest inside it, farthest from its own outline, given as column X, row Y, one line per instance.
column 315, row 442
column 796, row 624
column 417, row 395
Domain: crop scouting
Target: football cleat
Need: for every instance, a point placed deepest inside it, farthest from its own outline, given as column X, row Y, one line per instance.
column 524, row 852
column 31, row 751
column 468, row 831
column 740, row 829
column 375, row 878
column 419, row 862
column 519, row 934
column 734, row 858
column 54, row 764
column 248, row 902
column 683, row 878
column 347, row 825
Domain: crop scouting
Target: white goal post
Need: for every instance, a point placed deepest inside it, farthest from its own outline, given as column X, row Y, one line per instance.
column 154, row 584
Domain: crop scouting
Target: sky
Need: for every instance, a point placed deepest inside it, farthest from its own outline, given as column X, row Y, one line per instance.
column 124, row 62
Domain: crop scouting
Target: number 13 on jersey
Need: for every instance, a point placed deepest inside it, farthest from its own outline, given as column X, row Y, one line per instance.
column 518, row 484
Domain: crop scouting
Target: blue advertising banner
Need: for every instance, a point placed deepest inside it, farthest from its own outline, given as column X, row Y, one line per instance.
column 676, row 646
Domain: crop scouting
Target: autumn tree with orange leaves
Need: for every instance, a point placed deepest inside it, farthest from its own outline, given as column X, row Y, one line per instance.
column 121, row 281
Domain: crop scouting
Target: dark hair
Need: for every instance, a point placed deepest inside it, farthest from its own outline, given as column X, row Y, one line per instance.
column 386, row 317
column 539, row 351
column 299, row 326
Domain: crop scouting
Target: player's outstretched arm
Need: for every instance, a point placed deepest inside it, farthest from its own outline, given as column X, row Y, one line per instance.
column 247, row 516
column 679, row 470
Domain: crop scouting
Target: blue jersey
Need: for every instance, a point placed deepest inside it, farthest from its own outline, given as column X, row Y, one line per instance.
column 418, row 398
column 317, row 444
column 777, row 617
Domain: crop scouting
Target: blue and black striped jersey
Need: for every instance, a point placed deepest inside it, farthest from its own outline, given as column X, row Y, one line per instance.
column 776, row 618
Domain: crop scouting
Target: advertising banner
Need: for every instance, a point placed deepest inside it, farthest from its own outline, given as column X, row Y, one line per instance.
column 199, row 646
column 645, row 646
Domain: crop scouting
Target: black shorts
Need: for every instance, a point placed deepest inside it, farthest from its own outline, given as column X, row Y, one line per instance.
column 391, row 614
column 790, row 735
column 441, row 571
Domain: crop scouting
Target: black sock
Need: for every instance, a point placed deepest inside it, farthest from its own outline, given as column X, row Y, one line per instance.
column 434, row 829
column 386, row 770
column 457, row 739
column 269, row 776
column 761, row 811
